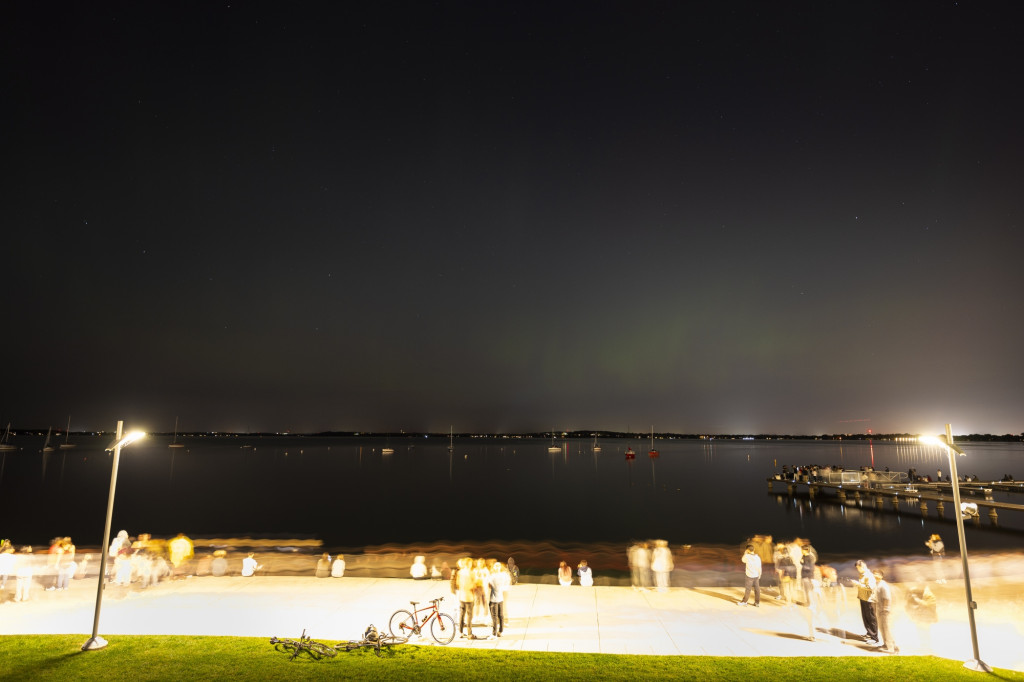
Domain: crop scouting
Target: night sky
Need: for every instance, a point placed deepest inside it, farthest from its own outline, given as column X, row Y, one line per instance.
column 709, row 217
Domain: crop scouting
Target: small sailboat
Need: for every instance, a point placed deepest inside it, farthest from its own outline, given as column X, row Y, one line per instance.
column 652, row 452
column 46, row 446
column 597, row 448
column 451, row 439
column 174, row 443
column 553, row 447
column 630, row 454
column 67, row 444
column 5, row 442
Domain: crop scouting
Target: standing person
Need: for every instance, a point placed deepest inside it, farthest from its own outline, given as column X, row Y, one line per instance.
column 120, row 541
column 180, row 550
column 67, row 566
column 883, row 609
column 6, row 565
column 23, row 572
column 498, row 584
column 513, row 571
column 786, row 569
column 938, row 552
column 564, row 574
column 662, row 565
column 462, row 588
column 480, row 578
column 866, row 595
column 250, row 565
column 808, row 559
column 585, row 575
column 752, row 575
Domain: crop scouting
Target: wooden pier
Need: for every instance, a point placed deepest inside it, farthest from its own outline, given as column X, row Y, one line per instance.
column 875, row 489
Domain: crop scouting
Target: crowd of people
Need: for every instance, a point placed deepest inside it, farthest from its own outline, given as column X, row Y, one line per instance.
column 481, row 587
column 801, row 581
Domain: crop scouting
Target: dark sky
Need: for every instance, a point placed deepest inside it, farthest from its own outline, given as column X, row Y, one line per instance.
column 710, row 217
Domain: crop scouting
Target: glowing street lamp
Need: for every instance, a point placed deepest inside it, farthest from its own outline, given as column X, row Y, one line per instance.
column 97, row 642
column 976, row 663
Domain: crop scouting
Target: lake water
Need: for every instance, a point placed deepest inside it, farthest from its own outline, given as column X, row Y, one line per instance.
column 346, row 492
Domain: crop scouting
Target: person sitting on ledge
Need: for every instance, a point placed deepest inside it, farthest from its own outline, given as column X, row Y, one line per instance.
column 418, row 570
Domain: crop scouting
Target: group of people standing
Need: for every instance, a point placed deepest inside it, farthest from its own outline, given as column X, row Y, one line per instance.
column 481, row 587
column 650, row 567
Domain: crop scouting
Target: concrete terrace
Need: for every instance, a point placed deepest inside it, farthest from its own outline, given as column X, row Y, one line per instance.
column 611, row 619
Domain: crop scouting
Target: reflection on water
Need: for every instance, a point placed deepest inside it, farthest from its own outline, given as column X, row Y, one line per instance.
column 346, row 492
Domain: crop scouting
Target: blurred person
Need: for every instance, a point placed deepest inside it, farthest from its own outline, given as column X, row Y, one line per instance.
column 338, row 567
column 786, row 569
column 323, row 566
column 446, row 571
column 67, row 565
column 180, row 551
column 53, row 556
column 585, row 575
column 938, row 553
column 250, row 565
column 498, row 584
column 921, row 606
column 462, row 588
column 808, row 560
column 883, row 611
column 418, row 570
column 513, row 570
column 662, row 564
column 564, row 574
column 203, row 565
column 866, row 596
column 7, row 561
column 480, row 577
column 640, row 565
column 219, row 565
column 120, row 541
column 24, row 570
column 83, row 567
column 435, row 572
column 123, row 566
column 751, row 576
column 142, row 566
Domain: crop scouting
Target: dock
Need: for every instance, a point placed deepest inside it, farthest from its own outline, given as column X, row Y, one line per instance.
column 877, row 489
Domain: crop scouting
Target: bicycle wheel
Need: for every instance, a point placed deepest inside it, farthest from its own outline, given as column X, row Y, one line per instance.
column 402, row 623
column 442, row 628
column 319, row 650
column 390, row 640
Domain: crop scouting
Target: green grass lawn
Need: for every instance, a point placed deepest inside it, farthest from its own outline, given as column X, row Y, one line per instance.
column 137, row 658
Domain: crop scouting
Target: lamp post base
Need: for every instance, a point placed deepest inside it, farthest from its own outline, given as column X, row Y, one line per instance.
column 977, row 666
column 98, row 642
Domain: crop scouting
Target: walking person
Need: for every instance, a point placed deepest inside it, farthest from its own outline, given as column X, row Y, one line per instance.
column 883, row 609
column 866, row 595
column 752, row 576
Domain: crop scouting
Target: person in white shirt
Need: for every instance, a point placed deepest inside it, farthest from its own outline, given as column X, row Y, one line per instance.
column 338, row 567
column 752, row 576
column 250, row 565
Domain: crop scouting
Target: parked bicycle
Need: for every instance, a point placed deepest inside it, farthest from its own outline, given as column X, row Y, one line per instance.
column 405, row 624
column 373, row 640
column 316, row 650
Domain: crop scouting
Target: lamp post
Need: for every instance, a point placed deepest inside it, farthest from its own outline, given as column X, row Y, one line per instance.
column 976, row 663
column 97, row 642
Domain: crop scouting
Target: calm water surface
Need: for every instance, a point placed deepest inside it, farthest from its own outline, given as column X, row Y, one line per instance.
column 345, row 491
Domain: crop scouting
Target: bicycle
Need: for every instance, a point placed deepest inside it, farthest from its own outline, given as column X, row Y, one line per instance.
column 372, row 639
column 316, row 650
column 405, row 624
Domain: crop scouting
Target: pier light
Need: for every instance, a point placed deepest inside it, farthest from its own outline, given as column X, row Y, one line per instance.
column 120, row 441
column 952, row 450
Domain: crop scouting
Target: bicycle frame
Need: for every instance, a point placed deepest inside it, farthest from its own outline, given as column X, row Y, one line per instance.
column 433, row 613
